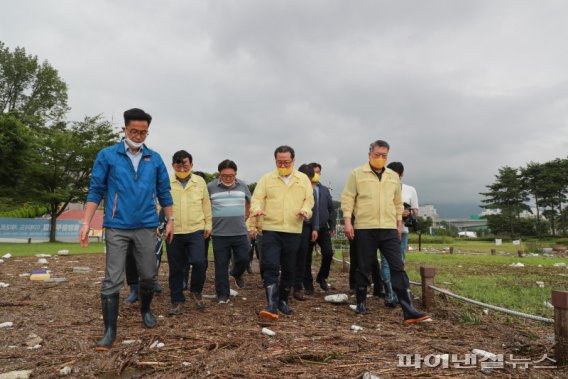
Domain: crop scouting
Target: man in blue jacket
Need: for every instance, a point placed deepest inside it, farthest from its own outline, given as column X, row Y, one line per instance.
column 132, row 179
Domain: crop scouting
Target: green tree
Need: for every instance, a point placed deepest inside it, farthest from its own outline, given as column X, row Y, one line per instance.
column 29, row 88
column 424, row 224
column 63, row 161
column 509, row 195
column 15, row 145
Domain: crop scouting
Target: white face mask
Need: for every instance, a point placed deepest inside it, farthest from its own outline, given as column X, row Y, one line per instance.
column 135, row 145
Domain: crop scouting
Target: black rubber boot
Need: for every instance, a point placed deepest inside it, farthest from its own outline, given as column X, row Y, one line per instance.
column 283, row 303
column 145, row 301
column 133, row 296
column 271, row 309
column 110, row 315
column 411, row 314
column 391, row 300
column 361, row 294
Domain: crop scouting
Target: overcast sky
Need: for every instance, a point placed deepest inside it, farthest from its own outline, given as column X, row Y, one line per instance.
column 458, row 88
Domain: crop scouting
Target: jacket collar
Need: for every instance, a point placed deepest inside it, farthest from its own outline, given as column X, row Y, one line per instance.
column 121, row 148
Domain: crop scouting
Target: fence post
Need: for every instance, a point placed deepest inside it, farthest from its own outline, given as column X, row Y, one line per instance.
column 560, row 303
column 451, row 249
column 345, row 265
column 520, row 253
column 493, row 251
column 427, row 274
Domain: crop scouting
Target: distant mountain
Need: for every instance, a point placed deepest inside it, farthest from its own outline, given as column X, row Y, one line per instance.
column 457, row 210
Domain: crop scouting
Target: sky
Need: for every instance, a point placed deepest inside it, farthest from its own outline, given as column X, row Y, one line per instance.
column 458, row 88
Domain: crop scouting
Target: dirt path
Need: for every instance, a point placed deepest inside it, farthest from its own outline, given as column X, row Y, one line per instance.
column 226, row 340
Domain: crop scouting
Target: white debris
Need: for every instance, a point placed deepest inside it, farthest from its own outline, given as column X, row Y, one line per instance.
column 540, row 284
column 486, row 311
column 54, row 280
column 233, row 293
column 337, row 298
column 268, row 332
column 24, row 275
column 63, row 252
column 7, row 324
column 548, row 304
column 559, row 264
column 460, row 266
column 410, row 248
column 65, row 371
column 369, row 375
column 43, row 255
column 517, row 264
column 154, row 344
column 356, row 328
column 1, row 260
column 129, row 342
column 160, row 345
column 185, row 364
column 484, row 354
column 4, row 285
column 210, row 297
column 42, row 261
column 539, row 265
column 244, row 298
column 81, row 269
column 35, row 347
column 20, row 374
column 7, row 256
column 353, row 307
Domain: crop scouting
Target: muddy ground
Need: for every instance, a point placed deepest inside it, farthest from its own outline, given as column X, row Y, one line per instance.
column 226, row 340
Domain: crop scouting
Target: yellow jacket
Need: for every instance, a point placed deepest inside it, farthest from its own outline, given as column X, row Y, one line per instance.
column 192, row 207
column 282, row 202
column 375, row 204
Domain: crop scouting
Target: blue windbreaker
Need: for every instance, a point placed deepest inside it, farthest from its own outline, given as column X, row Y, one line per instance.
column 130, row 196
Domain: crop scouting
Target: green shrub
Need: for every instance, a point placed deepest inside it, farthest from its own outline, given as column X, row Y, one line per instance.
column 413, row 238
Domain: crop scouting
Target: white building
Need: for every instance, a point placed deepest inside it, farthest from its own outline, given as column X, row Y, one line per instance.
column 428, row 210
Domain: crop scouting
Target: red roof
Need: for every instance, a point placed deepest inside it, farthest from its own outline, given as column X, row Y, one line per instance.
column 96, row 223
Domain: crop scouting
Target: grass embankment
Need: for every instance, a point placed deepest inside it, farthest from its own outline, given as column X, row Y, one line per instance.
column 474, row 273
column 28, row 249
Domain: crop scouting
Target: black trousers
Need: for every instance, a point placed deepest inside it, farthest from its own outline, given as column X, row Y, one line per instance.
column 278, row 258
column 303, row 266
column 385, row 240
column 375, row 268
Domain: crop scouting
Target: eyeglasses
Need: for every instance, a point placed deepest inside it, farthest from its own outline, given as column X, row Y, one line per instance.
column 229, row 176
column 374, row 155
column 136, row 132
column 283, row 163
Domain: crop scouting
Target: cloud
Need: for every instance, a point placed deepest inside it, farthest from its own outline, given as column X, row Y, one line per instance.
column 458, row 88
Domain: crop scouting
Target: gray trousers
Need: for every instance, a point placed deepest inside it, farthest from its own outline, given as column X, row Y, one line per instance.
column 117, row 242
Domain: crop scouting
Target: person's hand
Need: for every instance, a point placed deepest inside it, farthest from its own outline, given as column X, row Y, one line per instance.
column 314, row 235
column 349, row 231
column 252, row 234
column 332, row 232
column 158, row 234
column 206, row 233
column 399, row 230
column 302, row 213
column 84, row 235
column 405, row 212
column 258, row 213
column 169, row 233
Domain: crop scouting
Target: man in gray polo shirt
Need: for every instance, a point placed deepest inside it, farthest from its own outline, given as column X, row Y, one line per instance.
column 230, row 202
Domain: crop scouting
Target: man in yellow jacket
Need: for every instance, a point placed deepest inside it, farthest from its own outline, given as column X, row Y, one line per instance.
column 284, row 199
column 372, row 195
column 192, row 220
